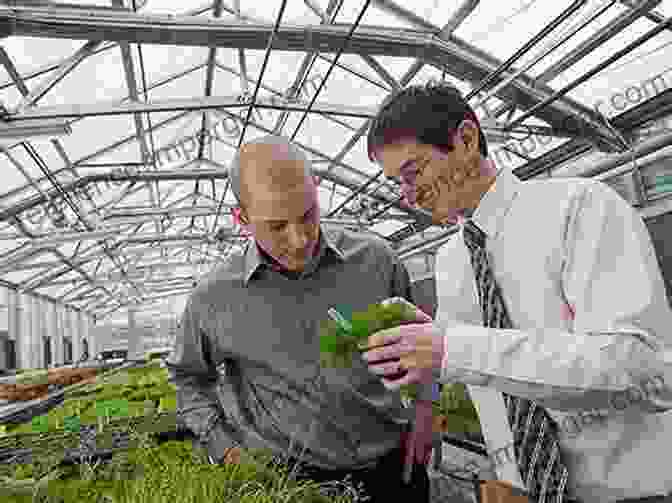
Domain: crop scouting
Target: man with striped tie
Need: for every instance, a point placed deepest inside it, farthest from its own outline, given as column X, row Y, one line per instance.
column 550, row 303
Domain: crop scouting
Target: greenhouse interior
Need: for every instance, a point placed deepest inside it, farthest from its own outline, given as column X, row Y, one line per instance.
column 119, row 120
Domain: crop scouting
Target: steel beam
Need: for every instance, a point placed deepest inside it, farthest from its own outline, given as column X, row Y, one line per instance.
column 457, row 57
column 20, row 131
column 146, row 281
column 54, row 239
column 382, row 72
column 405, row 15
column 13, row 73
column 191, row 104
column 160, row 238
column 209, row 77
column 14, row 287
column 14, row 192
column 613, row 28
column 425, row 246
column 643, row 149
column 63, row 70
column 656, row 108
column 120, row 176
column 492, row 127
column 133, row 214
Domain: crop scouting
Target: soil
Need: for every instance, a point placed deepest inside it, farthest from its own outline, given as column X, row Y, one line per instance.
column 62, row 377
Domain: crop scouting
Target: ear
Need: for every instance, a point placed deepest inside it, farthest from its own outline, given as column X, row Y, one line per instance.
column 467, row 133
column 239, row 218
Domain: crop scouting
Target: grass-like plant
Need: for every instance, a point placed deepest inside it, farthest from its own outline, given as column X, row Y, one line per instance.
column 340, row 339
column 174, row 472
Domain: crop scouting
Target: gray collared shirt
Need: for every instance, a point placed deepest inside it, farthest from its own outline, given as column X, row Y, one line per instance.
column 248, row 350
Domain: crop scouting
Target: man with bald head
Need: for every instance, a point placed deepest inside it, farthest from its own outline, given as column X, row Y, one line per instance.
column 246, row 364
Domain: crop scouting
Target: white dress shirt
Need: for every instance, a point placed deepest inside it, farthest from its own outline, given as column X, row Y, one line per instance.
column 556, row 243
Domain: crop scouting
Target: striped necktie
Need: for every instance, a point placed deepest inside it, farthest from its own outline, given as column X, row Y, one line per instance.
column 535, row 433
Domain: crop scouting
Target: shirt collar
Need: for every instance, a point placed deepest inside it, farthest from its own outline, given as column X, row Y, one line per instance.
column 496, row 203
column 254, row 258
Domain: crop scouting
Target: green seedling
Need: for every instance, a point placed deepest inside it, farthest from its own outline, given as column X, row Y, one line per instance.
column 341, row 339
column 112, row 408
column 71, row 424
column 40, row 424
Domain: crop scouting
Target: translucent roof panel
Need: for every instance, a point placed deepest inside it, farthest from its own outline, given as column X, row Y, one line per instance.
column 103, row 148
column 638, row 76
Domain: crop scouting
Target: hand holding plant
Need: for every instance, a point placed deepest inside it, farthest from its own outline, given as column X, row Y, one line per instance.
column 340, row 339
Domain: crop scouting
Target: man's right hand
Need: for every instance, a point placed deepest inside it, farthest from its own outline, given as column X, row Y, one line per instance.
column 231, row 456
column 220, row 449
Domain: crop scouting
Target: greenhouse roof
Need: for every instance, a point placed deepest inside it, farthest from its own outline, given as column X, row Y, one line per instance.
column 119, row 118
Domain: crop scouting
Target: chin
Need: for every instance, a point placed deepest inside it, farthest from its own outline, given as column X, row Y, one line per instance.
column 296, row 266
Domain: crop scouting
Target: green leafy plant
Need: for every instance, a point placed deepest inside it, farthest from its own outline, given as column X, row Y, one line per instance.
column 173, row 471
column 339, row 341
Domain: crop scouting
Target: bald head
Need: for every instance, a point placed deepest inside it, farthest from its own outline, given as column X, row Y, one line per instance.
column 278, row 198
column 267, row 164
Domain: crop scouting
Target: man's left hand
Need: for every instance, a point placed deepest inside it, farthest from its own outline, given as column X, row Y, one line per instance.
column 417, row 348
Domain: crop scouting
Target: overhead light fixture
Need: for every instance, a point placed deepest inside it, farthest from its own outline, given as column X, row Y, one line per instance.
column 25, row 130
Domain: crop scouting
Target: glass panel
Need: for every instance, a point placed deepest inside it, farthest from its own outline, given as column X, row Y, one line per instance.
column 188, row 86
column 498, row 29
column 95, row 79
column 229, row 59
column 501, row 28
column 227, row 72
column 29, row 53
column 374, row 16
column 327, row 201
column 17, row 276
column 387, row 228
column 95, row 133
column 397, row 67
column 223, row 150
column 657, row 176
column 130, row 152
column 364, row 72
column 358, row 158
column 432, row 73
column 12, row 177
column 436, row 12
column 520, row 147
column 280, row 71
column 340, row 82
column 26, row 167
column 569, row 46
column 11, row 98
column 176, row 142
column 97, row 3
column 53, row 291
column 633, row 79
column 326, row 136
column 652, row 129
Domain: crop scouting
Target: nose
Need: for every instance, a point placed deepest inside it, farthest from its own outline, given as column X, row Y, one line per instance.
column 297, row 237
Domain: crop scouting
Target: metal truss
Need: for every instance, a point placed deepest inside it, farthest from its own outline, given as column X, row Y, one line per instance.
column 449, row 54
column 121, row 253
